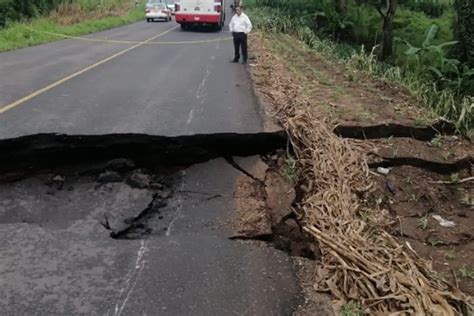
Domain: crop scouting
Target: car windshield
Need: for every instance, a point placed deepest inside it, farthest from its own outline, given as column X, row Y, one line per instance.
column 153, row 3
column 157, row 5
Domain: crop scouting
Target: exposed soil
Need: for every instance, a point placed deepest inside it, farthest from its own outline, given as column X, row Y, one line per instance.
column 264, row 213
column 411, row 194
column 264, row 210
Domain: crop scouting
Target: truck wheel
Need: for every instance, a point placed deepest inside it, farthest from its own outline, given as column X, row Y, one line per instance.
column 148, row 20
column 183, row 27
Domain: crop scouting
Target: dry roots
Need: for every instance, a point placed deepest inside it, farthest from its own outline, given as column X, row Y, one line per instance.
column 360, row 261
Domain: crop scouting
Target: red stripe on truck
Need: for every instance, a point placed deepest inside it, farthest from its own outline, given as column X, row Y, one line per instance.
column 197, row 18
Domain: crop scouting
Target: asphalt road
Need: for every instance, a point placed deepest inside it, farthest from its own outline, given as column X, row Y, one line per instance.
column 57, row 259
column 156, row 89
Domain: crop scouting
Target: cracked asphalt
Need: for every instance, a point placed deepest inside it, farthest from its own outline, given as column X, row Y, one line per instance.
column 57, row 259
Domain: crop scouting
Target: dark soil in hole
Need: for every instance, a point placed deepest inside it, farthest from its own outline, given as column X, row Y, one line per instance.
column 264, row 211
column 395, row 130
column 436, row 167
column 43, row 151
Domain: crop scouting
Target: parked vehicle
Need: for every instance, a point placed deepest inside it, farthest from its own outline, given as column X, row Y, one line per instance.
column 157, row 11
column 171, row 5
column 200, row 12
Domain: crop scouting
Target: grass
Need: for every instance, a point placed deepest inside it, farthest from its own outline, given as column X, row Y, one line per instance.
column 24, row 34
column 444, row 102
column 435, row 241
column 447, row 155
column 290, row 169
column 466, row 272
column 437, row 141
column 352, row 309
column 441, row 276
column 423, row 222
column 467, row 200
column 450, row 254
column 454, row 177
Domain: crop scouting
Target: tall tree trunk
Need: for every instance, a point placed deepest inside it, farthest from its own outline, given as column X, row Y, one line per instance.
column 340, row 6
column 464, row 31
column 388, row 16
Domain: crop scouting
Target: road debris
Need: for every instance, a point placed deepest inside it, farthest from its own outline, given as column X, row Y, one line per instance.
column 384, row 171
column 109, row 177
column 443, row 222
column 139, row 180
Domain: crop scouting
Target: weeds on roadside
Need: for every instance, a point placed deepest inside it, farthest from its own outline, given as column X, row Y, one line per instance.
column 467, row 199
column 444, row 102
column 423, row 222
column 454, row 177
column 439, row 275
column 352, row 308
column 435, row 241
column 413, row 197
column 450, row 254
column 447, row 155
column 290, row 169
column 437, row 141
column 466, row 272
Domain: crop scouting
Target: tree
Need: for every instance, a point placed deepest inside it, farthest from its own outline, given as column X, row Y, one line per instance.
column 341, row 6
column 387, row 16
column 464, row 31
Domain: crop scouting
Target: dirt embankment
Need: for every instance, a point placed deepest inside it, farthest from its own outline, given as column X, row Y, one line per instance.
column 385, row 190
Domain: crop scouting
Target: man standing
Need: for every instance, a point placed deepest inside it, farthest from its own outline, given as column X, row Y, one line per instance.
column 240, row 26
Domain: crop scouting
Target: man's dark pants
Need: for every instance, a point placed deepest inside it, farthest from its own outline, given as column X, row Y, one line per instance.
column 240, row 40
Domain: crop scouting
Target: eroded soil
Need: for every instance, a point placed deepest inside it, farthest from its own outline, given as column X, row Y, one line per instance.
column 433, row 174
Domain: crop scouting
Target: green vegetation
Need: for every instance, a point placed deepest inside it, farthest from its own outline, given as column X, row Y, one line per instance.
column 423, row 58
column 72, row 18
column 19, row 10
column 437, row 141
column 450, row 254
column 352, row 309
column 423, row 222
column 435, row 241
column 454, row 177
column 466, row 272
column 464, row 31
column 290, row 169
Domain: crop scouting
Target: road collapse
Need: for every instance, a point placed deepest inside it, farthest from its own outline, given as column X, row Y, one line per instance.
column 29, row 154
column 50, row 171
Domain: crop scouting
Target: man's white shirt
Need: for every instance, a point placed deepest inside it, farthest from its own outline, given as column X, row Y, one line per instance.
column 240, row 24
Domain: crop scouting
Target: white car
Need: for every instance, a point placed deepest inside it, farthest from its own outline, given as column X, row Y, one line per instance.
column 171, row 5
column 157, row 11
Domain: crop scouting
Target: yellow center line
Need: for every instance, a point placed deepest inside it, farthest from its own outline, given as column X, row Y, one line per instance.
column 30, row 96
column 104, row 40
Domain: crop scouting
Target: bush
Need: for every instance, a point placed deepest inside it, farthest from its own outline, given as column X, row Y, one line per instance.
column 449, row 97
column 17, row 10
column 432, row 8
column 14, row 10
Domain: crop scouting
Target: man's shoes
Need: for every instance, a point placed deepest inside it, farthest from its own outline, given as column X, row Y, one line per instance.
column 244, row 62
column 234, row 61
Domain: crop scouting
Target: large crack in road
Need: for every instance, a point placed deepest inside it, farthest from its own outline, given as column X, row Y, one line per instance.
column 139, row 167
column 78, row 211
column 140, row 222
